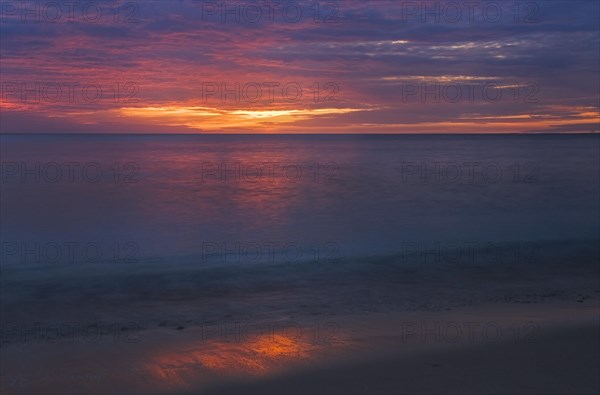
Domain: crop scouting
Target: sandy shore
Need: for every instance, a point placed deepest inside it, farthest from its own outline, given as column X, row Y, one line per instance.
column 542, row 349
column 563, row 362
column 500, row 348
column 377, row 325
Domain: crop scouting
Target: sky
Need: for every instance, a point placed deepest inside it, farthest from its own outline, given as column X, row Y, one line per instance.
column 379, row 66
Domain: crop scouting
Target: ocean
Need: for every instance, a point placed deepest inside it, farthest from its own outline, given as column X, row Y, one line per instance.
column 129, row 199
column 160, row 229
column 164, row 264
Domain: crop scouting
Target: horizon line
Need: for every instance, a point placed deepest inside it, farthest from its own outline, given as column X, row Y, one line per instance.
column 295, row 134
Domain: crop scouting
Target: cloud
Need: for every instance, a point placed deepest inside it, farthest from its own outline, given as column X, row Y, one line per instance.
column 359, row 55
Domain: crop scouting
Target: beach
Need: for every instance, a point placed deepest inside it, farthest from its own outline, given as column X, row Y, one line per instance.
column 308, row 329
column 559, row 361
column 546, row 358
column 549, row 347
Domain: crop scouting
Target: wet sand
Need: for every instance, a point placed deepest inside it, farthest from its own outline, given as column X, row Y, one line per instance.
column 500, row 348
column 529, row 349
column 562, row 362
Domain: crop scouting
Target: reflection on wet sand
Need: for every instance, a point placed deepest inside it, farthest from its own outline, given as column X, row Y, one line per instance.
column 167, row 361
column 260, row 356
